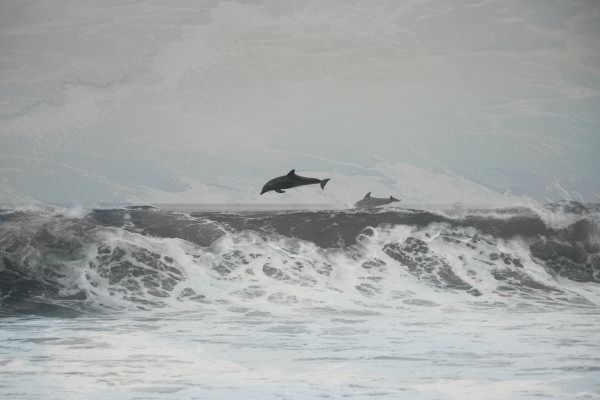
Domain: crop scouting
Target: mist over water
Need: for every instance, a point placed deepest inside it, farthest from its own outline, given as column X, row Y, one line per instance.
column 205, row 101
column 154, row 303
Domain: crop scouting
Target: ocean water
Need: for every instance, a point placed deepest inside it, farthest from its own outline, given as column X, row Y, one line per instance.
column 176, row 303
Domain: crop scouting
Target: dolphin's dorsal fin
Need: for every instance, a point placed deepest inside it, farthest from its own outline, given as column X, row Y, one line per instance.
column 367, row 195
column 392, row 198
column 292, row 173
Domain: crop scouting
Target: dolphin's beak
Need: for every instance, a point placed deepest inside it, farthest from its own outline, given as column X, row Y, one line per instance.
column 262, row 191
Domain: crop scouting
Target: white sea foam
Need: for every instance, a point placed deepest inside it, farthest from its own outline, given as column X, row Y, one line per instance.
column 279, row 274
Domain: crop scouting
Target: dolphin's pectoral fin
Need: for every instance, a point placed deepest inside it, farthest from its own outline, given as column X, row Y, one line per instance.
column 292, row 173
column 279, row 190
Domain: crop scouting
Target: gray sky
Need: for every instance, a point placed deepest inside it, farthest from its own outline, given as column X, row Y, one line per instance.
column 188, row 101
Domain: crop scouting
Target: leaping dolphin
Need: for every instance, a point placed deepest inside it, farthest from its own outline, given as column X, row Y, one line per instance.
column 372, row 202
column 291, row 180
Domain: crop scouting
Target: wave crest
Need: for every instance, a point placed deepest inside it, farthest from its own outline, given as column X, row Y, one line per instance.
column 148, row 258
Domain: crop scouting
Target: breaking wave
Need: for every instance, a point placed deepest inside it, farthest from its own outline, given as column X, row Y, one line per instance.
column 60, row 261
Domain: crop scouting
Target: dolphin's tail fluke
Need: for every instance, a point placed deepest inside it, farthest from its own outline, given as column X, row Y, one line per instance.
column 323, row 183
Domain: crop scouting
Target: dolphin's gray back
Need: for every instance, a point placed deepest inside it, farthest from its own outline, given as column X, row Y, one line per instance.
column 292, row 180
column 304, row 180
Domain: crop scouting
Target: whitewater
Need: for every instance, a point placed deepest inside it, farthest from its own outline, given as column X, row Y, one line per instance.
column 156, row 303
